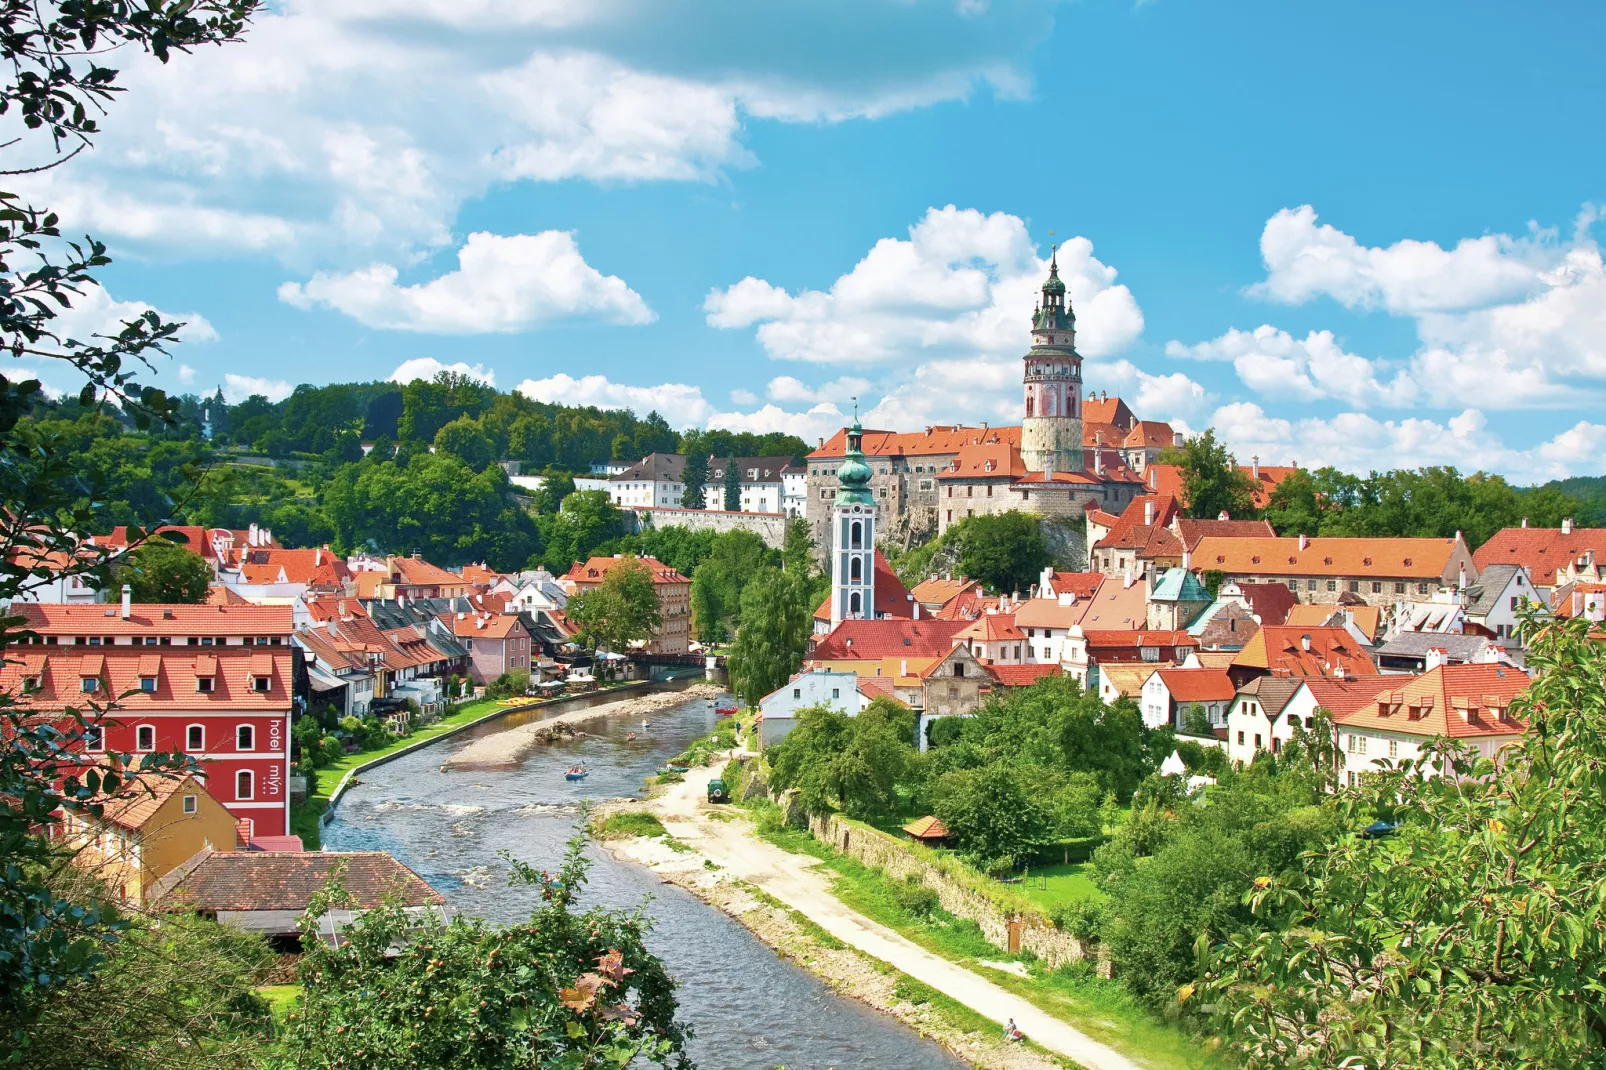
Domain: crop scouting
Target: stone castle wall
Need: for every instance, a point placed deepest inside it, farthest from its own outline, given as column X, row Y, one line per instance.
column 771, row 527
column 897, row 860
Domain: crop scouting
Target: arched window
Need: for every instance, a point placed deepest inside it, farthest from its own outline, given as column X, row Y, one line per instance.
column 853, row 604
column 856, row 540
column 242, row 784
column 855, row 573
column 1028, row 404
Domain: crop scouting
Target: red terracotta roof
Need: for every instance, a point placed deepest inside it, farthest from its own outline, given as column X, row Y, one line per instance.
column 891, row 597
column 874, row 687
column 1191, row 531
column 416, row 572
column 1541, row 550
column 1343, row 697
column 1117, row 638
column 1081, row 584
column 992, row 628
column 489, row 626
column 1269, row 601
column 862, row 640
column 1149, row 434
column 142, row 795
column 939, row 592
column 927, row 828
column 189, row 536
column 154, row 619
column 1021, row 675
column 1107, row 411
column 318, row 566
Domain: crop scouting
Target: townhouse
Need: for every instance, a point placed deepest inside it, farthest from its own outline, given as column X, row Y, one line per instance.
column 146, row 832
column 1168, row 695
column 1268, row 710
column 673, row 634
column 1375, row 571
column 1552, row 556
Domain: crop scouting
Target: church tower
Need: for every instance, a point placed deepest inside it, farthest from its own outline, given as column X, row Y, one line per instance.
column 853, row 536
column 1051, row 432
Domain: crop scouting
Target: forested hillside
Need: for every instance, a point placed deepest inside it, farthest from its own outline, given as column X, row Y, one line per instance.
column 430, row 483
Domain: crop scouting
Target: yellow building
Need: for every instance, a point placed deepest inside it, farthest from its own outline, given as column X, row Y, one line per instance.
column 154, row 826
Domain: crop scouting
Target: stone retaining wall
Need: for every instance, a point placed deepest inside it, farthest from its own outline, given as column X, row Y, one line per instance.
column 894, row 857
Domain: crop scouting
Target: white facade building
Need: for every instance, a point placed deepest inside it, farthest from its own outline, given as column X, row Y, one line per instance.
column 807, row 690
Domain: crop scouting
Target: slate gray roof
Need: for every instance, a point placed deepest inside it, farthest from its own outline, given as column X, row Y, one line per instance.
column 667, row 467
column 1272, row 692
column 1484, row 595
column 750, row 469
column 1417, row 644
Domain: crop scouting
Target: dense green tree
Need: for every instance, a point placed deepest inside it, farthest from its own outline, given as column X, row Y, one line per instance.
column 776, row 620
column 733, row 486
column 555, row 487
column 694, row 481
column 587, row 521
column 991, row 814
column 852, row 764
column 797, row 553
column 564, row 990
column 1475, row 934
column 163, row 571
column 1211, row 483
column 621, row 610
column 465, row 439
column 1004, row 551
column 681, row 548
column 734, row 559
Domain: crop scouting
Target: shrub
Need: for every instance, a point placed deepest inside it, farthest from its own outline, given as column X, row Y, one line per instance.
column 627, row 823
column 914, row 898
column 1080, row 919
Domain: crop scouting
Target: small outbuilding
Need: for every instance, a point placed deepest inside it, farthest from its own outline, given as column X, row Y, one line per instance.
column 927, row 830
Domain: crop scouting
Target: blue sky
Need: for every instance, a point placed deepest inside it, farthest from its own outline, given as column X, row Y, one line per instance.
column 1358, row 234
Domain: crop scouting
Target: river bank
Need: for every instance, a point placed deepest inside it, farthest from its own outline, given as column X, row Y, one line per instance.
column 508, row 748
column 720, row 842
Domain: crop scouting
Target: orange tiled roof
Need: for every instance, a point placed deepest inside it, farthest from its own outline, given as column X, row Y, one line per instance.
column 1198, row 685
column 1191, row 531
column 992, row 628
column 593, row 569
column 986, row 460
column 934, row 440
column 1281, row 650
column 874, row 687
column 891, row 598
column 417, row 572
column 120, row 667
column 1458, row 701
column 1132, row 531
column 1048, row 613
column 1116, row 638
column 939, row 592
column 1112, row 411
column 927, row 828
column 316, row 567
column 219, row 595
column 1343, row 697
column 1541, row 550
column 1312, row 615
column 143, row 795
column 189, row 536
column 1385, row 558
column 1081, row 584
column 490, row 626
column 1149, row 434
column 1117, row 606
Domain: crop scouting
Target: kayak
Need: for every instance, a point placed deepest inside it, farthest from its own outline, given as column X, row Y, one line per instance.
column 576, row 774
column 725, row 711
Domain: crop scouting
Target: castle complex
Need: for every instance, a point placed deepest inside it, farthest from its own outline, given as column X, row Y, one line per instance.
column 1066, row 454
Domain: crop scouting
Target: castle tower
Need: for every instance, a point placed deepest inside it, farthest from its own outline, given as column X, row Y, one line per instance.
column 853, row 536
column 1051, row 432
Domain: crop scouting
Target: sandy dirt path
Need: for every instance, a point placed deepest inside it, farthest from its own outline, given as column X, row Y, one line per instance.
column 510, row 746
column 796, row 882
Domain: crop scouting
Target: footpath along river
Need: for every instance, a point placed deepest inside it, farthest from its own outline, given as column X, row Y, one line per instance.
column 750, row 1010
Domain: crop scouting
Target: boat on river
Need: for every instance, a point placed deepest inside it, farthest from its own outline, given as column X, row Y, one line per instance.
column 725, row 709
column 578, row 772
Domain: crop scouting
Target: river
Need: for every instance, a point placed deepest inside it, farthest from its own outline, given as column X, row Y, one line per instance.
column 748, row 1008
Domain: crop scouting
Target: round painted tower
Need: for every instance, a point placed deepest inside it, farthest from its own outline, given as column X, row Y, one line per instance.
column 1051, row 430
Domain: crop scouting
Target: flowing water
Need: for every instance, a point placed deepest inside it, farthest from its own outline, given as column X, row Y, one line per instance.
column 749, row 1009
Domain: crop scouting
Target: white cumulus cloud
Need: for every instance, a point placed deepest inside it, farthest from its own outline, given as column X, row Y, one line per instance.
column 429, row 367
column 236, row 388
column 95, row 313
column 961, row 285
column 502, row 284
column 681, row 404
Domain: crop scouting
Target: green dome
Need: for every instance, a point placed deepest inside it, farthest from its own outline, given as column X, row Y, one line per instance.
column 853, row 475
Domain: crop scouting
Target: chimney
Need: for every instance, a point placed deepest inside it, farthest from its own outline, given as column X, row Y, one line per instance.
column 251, row 535
column 1461, row 579
column 916, row 610
column 1437, row 658
column 1148, row 511
column 128, row 600
column 1187, row 560
column 1304, row 643
column 1524, row 521
column 340, row 608
column 1154, row 479
column 1254, row 468
column 1178, row 439
column 1567, row 525
column 1304, row 542
column 1223, row 515
column 317, row 557
column 1098, row 462
column 903, row 667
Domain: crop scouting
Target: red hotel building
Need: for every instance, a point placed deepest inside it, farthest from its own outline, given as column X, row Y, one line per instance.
column 212, row 682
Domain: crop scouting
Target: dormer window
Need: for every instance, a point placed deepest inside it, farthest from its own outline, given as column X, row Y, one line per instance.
column 147, row 684
column 31, row 684
column 88, row 684
column 204, row 684
column 261, row 684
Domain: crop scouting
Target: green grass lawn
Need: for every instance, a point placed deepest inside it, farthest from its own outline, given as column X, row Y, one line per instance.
column 1052, row 886
column 305, row 820
column 1102, row 1009
column 281, row 999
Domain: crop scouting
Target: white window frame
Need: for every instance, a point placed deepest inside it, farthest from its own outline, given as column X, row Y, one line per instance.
column 247, row 732
column 246, row 777
column 189, row 804
column 139, row 733
column 194, row 747
column 205, row 685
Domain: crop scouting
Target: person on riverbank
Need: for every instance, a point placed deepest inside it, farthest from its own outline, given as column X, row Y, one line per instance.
column 1012, row 1032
